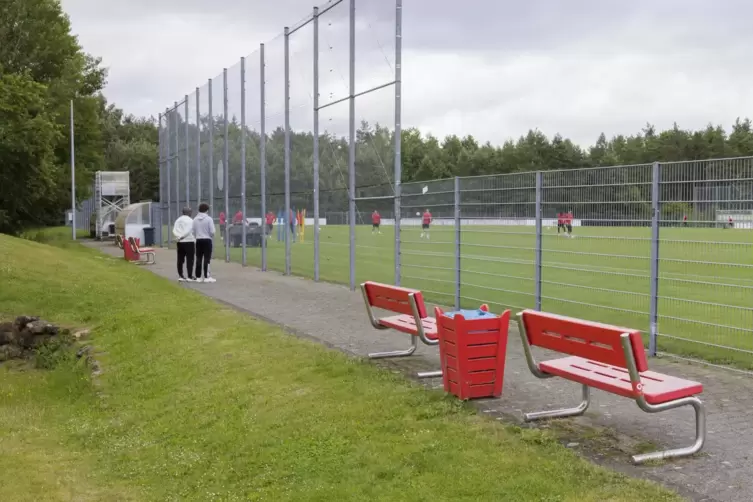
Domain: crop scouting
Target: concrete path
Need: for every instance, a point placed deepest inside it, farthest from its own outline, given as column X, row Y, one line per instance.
column 611, row 430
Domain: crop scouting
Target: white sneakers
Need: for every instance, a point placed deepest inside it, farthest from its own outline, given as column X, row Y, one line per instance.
column 208, row 279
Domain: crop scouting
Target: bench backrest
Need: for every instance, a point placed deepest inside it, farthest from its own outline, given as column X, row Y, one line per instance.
column 394, row 298
column 134, row 245
column 576, row 337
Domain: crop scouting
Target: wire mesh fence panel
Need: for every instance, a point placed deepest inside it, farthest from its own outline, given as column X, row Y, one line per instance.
column 274, row 115
column 176, row 159
column 204, row 169
column 301, row 55
column 333, row 59
column 706, row 260
column 253, row 160
column 596, row 244
column 498, row 240
column 217, row 177
column 235, row 214
column 427, row 239
column 181, row 173
column 190, row 134
column 374, row 146
column 162, row 134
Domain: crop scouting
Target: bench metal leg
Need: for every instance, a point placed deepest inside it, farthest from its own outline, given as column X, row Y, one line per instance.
column 566, row 412
column 429, row 374
column 397, row 353
column 700, row 429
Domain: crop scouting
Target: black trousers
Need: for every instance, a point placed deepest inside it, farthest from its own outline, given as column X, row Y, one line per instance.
column 186, row 251
column 203, row 257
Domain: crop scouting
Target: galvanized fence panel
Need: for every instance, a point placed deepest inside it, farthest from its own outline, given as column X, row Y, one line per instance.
column 252, row 132
column 234, row 163
column 706, row 261
column 497, row 241
column 333, row 112
column 301, row 56
column 164, row 176
column 427, row 239
column 191, row 138
column 275, row 147
column 217, row 178
column 373, row 163
column 204, row 169
column 596, row 258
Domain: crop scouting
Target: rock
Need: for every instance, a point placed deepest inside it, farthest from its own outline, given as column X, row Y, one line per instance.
column 25, row 334
column 81, row 335
column 7, row 333
column 8, row 352
column 39, row 327
column 22, row 321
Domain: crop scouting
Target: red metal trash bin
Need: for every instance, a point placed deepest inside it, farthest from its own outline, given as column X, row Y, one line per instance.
column 472, row 349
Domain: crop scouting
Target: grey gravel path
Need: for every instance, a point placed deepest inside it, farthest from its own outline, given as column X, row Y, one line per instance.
column 613, row 427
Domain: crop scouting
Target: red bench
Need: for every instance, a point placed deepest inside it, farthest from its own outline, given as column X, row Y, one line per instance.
column 611, row 359
column 139, row 255
column 411, row 318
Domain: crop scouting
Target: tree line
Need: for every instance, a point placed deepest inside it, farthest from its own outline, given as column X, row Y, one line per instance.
column 43, row 67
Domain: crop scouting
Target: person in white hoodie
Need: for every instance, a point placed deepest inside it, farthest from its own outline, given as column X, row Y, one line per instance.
column 203, row 229
column 183, row 232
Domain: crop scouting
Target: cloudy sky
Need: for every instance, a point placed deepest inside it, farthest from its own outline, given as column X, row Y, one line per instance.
column 489, row 68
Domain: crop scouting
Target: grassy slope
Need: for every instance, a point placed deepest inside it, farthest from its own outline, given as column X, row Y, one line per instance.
column 197, row 402
column 706, row 276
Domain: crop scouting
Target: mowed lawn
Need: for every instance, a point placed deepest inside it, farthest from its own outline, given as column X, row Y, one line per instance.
column 602, row 274
column 198, row 402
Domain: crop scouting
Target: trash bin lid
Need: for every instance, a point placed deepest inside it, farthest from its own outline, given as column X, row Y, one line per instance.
column 472, row 314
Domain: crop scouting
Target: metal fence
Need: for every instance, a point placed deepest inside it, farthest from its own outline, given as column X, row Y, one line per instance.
column 311, row 123
column 664, row 247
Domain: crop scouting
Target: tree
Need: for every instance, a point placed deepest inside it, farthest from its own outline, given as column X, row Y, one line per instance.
column 43, row 68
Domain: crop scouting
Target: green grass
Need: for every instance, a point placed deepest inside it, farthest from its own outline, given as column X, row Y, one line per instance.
column 198, row 402
column 602, row 274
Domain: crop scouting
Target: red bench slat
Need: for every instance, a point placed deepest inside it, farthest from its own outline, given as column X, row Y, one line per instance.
column 407, row 324
column 394, row 298
column 586, row 339
column 657, row 387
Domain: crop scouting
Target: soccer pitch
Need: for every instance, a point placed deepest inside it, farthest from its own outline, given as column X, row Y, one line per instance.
column 601, row 274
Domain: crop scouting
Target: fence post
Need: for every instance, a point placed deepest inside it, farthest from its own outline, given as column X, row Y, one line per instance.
column 198, row 150
column 538, row 256
column 262, row 153
column 316, row 143
column 288, row 217
column 352, row 146
column 226, row 162
column 457, row 243
column 655, row 217
column 168, row 173
column 210, row 154
column 398, row 130
column 188, row 152
column 243, row 161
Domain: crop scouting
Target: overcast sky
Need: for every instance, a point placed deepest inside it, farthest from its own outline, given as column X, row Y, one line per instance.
column 489, row 68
